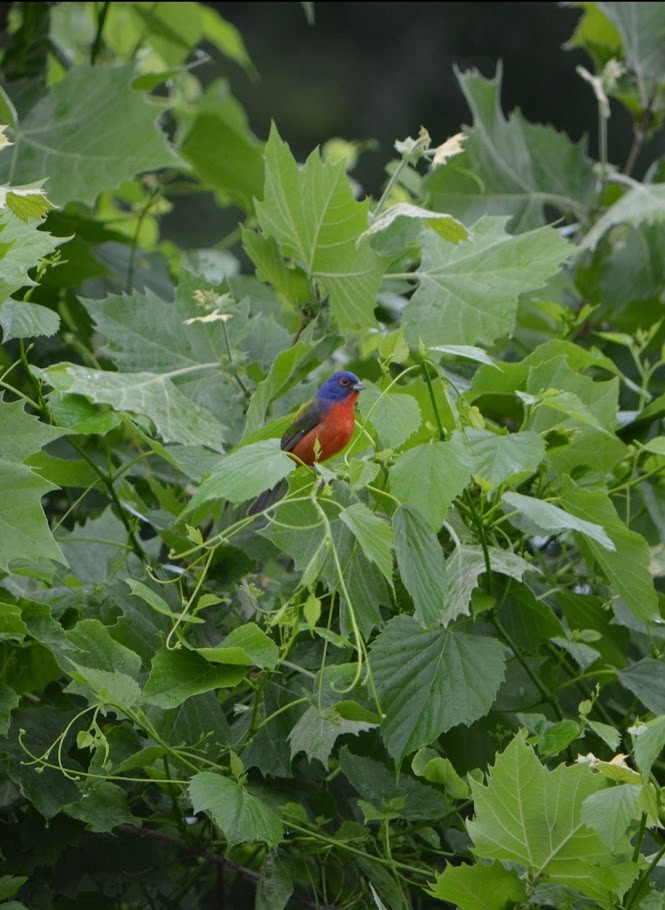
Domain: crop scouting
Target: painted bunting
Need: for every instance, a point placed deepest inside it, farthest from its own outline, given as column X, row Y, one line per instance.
column 329, row 417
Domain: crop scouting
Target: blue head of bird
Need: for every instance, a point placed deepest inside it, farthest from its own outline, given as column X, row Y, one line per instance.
column 339, row 386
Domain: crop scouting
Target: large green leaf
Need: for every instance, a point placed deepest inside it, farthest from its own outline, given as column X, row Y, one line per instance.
column 178, row 675
column 428, row 477
column 529, row 815
column 313, row 216
column 642, row 202
column 373, row 534
column 317, row 730
column 641, row 26
column 627, row 570
column 466, row 564
column 24, row 530
column 480, row 887
column 510, row 166
column 241, row 816
column 19, row 319
column 244, row 473
column 429, row 682
column 221, row 123
column 150, row 395
column 395, row 417
column 83, row 155
column 468, row 292
column 496, row 457
column 421, row 565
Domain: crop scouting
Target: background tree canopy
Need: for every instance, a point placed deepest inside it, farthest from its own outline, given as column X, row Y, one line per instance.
column 433, row 673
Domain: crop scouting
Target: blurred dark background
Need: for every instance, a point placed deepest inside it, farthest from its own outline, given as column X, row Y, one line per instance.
column 381, row 70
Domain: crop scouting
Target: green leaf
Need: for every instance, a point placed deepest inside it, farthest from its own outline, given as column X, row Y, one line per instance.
column 221, row 123
column 10, row 884
column 101, row 808
column 8, row 701
column 241, row 816
column 627, row 570
column 313, row 216
column 649, row 741
column 611, row 812
column 549, row 517
column 150, row 395
column 26, row 320
column 394, row 416
column 496, row 457
column 178, row 675
column 428, row 477
column 429, row 682
column 84, row 155
column 510, row 166
column 22, row 434
column 24, row 531
column 373, row 534
column 244, row 473
column 646, row 680
column 421, row 565
column 466, row 564
column 317, row 730
column 529, row 815
column 468, row 293
column 245, row 646
column 378, row 786
column 640, row 26
column 479, row 887
column 275, row 885
column 109, row 687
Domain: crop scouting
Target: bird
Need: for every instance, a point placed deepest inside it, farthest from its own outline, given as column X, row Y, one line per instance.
column 320, row 428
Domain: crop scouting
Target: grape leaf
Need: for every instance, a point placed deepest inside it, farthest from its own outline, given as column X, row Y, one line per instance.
column 241, row 816
column 429, row 682
column 468, row 292
column 83, row 155
column 313, row 216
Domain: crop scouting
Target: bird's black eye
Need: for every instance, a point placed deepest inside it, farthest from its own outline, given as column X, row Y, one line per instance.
column 344, row 381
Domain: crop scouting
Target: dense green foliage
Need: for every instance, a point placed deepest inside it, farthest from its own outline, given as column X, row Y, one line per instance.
column 374, row 695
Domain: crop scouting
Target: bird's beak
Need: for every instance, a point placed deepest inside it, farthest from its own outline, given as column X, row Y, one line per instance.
column 358, row 386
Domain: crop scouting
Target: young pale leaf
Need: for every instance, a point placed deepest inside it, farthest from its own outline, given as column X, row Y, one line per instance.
column 110, row 687
column 611, row 812
column 120, row 141
column 241, row 816
column 178, row 675
column 421, row 565
column 429, row 682
column 445, row 225
column 468, row 293
column 311, row 213
column 496, row 457
column 373, row 534
column 466, row 352
column 628, row 569
column 176, row 418
column 549, row 517
column 244, row 473
column 479, row 887
column 21, row 249
column 529, row 815
column 394, row 416
column 428, row 477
